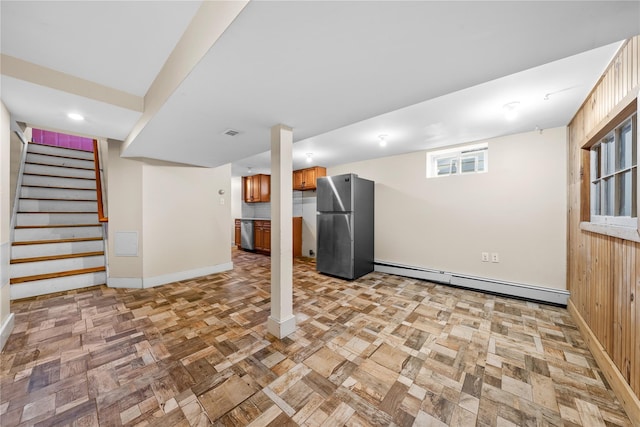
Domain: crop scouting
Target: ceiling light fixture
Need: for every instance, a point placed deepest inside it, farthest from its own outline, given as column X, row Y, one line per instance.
column 309, row 157
column 510, row 110
column 383, row 140
column 75, row 116
column 248, row 169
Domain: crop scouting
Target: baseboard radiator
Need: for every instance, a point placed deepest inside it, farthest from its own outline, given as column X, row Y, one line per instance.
column 510, row 289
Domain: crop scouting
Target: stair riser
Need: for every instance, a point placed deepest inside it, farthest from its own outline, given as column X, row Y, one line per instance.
column 59, row 171
column 48, row 181
column 57, row 193
column 28, row 234
column 49, row 249
column 55, row 219
column 56, row 206
column 59, row 151
column 55, row 266
column 60, row 161
column 43, row 287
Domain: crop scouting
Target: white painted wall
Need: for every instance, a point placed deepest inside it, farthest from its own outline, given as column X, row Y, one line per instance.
column 181, row 220
column 517, row 209
column 185, row 227
column 6, row 319
column 124, row 193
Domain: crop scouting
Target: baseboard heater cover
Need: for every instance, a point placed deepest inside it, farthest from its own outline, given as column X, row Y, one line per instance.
column 510, row 289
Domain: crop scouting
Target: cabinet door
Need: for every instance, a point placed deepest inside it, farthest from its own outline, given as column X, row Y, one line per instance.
column 264, row 186
column 297, row 180
column 309, row 179
column 258, row 235
column 247, row 186
column 238, row 235
column 266, row 236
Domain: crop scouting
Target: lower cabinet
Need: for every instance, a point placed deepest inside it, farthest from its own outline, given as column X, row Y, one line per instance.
column 238, row 234
column 262, row 236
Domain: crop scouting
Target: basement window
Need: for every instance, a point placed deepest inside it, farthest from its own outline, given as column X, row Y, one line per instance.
column 614, row 176
column 458, row 161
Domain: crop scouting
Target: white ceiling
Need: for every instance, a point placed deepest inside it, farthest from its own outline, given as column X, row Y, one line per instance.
column 340, row 73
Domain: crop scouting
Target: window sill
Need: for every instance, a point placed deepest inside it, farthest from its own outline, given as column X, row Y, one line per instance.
column 625, row 233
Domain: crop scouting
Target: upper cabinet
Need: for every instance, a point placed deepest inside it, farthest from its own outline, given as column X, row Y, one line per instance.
column 305, row 179
column 256, row 188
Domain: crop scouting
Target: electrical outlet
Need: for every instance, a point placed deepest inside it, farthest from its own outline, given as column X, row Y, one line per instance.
column 485, row 256
column 495, row 257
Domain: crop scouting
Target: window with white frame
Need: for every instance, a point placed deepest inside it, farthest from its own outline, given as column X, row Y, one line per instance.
column 458, row 161
column 614, row 176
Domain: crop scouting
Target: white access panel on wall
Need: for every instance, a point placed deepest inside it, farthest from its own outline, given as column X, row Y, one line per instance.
column 126, row 243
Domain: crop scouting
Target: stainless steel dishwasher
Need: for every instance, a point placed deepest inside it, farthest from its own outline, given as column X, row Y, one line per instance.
column 246, row 234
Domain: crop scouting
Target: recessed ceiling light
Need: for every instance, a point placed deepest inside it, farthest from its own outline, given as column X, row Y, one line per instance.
column 75, row 116
column 309, row 157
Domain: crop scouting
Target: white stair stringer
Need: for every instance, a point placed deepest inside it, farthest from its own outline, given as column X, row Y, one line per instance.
column 58, row 242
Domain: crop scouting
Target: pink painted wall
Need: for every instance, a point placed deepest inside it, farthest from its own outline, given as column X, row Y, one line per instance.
column 61, row 140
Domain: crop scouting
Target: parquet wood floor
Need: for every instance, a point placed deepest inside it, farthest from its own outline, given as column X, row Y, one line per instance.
column 382, row 350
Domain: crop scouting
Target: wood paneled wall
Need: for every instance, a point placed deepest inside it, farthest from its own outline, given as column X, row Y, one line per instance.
column 603, row 273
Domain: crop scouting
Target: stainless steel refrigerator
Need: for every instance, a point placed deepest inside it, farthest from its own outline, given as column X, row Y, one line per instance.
column 345, row 205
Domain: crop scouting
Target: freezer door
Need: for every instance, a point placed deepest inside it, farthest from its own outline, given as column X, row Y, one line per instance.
column 335, row 244
column 334, row 193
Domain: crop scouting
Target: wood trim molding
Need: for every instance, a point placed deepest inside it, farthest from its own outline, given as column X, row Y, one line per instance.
column 96, row 162
column 627, row 106
column 621, row 388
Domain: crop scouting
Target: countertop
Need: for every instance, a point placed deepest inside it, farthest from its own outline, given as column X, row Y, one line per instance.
column 261, row 219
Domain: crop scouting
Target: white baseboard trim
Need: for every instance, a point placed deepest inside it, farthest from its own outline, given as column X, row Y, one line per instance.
column 151, row 282
column 124, row 282
column 511, row 289
column 6, row 329
column 281, row 328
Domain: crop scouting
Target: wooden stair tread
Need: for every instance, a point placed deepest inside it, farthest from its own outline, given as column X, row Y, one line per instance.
column 58, row 176
column 58, row 188
column 24, row 279
column 57, row 166
column 55, row 257
column 58, row 200
column 71, row 240
column 57, row 212
column 57, row 225
column 58, row 155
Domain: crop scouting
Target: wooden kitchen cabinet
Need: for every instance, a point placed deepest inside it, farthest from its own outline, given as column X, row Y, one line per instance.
column 305, row 179
column 256, row 188
column 262, row 236
column 238, row 234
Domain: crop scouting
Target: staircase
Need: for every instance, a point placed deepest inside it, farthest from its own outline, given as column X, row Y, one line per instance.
column 58, row 241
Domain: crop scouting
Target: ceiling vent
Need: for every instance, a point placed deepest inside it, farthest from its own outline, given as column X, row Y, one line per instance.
column 231, row 132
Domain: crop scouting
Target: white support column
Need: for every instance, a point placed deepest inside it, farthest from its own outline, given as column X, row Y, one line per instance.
column 281, row 322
